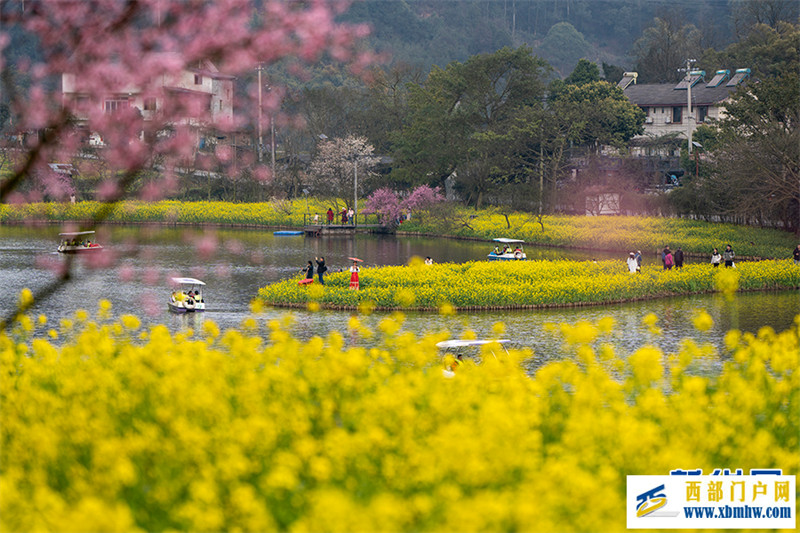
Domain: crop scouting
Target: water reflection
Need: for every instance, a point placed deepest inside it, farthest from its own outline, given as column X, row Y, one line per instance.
column 235, row 263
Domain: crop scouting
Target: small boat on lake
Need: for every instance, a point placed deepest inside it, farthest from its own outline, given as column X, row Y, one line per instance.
column 287, row 232
column 77, row 242
column 457, row 350
column 188, row 296
column 511, row 250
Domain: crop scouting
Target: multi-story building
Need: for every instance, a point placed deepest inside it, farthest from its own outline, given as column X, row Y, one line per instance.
column 205, row 82
column 667, row 106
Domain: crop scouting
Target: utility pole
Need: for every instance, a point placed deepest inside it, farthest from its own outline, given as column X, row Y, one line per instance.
column 355, row 190
column 260, row 141
column 272, row 126
column 689, row 63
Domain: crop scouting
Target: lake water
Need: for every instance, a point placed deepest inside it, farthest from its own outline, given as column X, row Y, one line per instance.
column 235, row 263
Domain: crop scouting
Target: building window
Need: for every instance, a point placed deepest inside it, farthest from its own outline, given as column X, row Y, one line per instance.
column 198, row 79
column 677, row 115
column 112, row 105
column 150, row 104
column 702, row 113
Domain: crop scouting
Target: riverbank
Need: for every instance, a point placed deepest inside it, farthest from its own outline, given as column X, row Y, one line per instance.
column 615, row 233
column 522, row 285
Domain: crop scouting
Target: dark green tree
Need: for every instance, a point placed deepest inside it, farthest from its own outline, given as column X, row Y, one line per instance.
column 459, row 116
column 599, row 114
column 664, row 48
column 585, row 72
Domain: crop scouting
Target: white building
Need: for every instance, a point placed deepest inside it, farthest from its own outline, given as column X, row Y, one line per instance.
column 667, row 105
column 205, row 82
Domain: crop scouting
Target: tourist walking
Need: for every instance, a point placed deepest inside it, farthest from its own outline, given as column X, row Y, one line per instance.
column 796, row 255
column 728, row 256
column 344, row 216
column 669, row 261
column 321, row 269
column 316, row 219
column 351, row 215
column 354, row 276
column 716, row 258
column 330, row 216
column 632, row 265
column 638, row 257
column 678, row 256
column 664, row 253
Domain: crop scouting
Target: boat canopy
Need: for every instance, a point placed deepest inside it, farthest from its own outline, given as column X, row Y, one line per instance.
column 507, row 241
column 460, row 343
column 76, row 233
column 187, row 281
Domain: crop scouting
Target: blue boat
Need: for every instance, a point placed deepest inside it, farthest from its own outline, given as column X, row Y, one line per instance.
column 287, row 232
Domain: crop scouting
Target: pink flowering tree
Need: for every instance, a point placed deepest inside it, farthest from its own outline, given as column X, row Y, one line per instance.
column 145, row 81
column 386, row 204
column 423, row 197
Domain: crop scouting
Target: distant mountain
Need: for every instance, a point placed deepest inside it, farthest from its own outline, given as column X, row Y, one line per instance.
column 436, row 32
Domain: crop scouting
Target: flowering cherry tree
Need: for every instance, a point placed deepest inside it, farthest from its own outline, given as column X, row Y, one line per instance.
column 333, row 171
column 388, row 205
column 109, row 49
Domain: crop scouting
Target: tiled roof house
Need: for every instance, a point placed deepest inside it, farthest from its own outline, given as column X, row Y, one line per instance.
column 667, row 105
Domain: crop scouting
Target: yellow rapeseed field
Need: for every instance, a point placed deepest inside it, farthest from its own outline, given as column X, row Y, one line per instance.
column 109, row 427
column 509, row 284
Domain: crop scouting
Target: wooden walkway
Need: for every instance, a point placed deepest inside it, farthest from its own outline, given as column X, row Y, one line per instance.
column 318, row 230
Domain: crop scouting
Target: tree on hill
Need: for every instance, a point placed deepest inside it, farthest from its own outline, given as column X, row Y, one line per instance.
column 663, row 49
column 585, row 72
column 564, row 46
column 459, row 116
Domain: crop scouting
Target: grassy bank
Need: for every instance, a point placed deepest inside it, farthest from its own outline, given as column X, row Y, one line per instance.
column 617, row 233
column 598, row 233
column 513, row 284
column 120, row 429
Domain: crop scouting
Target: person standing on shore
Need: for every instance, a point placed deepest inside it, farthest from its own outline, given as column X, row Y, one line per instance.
column 309, row 270
column 716, row 258
column 354, row 276
column 669, row 261
column 678, row 258
column 728, row 256
column 321, row 269
column 664, row 253
column 330, row 216
column 638, row 257
column 796, row 255
column 632, row 265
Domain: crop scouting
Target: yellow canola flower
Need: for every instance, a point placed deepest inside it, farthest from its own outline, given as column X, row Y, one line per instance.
column 702, row 320
column 25, row 299
column 104, row 432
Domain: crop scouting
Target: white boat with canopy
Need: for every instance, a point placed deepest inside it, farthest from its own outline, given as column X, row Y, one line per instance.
column 187, row 297
column 77, row 242
column 459, row 349
column 511, row 250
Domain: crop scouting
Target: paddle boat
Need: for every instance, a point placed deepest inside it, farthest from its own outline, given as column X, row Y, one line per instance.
column 460, row 349
column 77, row 242
column 511, row 250
column 187, row 297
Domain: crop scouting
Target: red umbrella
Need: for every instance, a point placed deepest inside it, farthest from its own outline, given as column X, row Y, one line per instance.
column 356, row 259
